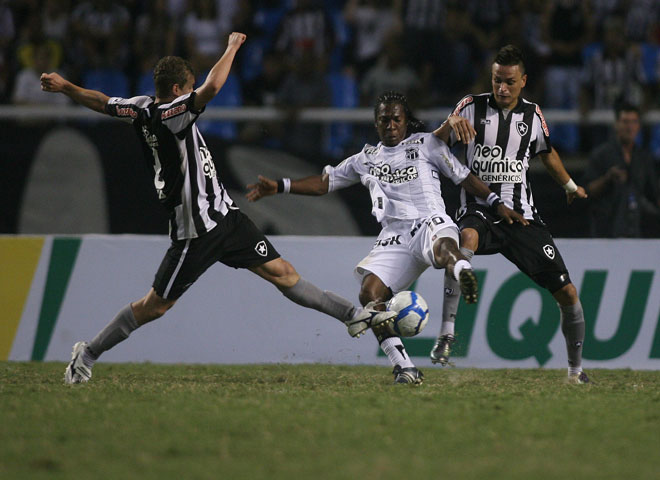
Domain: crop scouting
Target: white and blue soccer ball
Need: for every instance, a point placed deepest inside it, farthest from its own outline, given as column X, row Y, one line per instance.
column 413, row 313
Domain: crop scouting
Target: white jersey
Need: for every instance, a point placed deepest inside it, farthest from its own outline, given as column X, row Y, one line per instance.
column 404, row 180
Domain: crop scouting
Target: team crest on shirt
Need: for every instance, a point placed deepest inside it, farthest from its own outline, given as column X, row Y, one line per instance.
column 261, row 248
column 412, row 153
column 522, row 128
column 549, row 251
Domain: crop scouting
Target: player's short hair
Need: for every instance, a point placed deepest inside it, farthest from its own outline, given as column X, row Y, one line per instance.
column 625, row 106
column 391, row 97
column 169, row 71
column 510, row 55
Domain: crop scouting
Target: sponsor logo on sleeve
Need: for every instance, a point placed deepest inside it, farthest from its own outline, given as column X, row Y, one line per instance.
column 171, row 112
column 126, row 112
column 543, row 124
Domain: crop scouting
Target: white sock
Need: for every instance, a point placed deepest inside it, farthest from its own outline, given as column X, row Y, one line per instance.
column 460, row 265
column 396, row 352
column 574, row 371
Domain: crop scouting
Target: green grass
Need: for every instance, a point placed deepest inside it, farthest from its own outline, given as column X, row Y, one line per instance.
column 325, row 422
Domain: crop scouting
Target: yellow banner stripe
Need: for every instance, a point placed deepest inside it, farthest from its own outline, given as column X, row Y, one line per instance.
column 19, row 258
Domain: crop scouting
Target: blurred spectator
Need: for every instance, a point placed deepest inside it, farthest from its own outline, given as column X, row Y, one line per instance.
column 370, row 21
column 27, row 87
column 304, row 29
column 613, row 72
column 155, row 37
column 201, row 31
column 55, row 20
column 621, row 182
column 305, row 86
column 390, row 73
column 487, row 16
column 101, row 31
column 7, row 34
column 641, row 19
column 566, row 29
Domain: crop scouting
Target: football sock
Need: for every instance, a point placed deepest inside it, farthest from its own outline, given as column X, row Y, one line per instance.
column 452, row 297
column 309, row 295
column 450, row 304
column 114, row 332
column 460, row 265
column 396, row 352
column 572, row 326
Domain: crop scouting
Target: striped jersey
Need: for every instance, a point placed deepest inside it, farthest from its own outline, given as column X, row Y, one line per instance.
column 500, row 153
column 404, row 180
column 184, row 174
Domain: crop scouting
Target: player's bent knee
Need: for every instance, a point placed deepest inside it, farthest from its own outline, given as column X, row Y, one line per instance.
column 373, row 290
column 567, row 295
column 469, row 238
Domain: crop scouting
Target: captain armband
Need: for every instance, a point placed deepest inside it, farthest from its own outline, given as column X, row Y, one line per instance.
column 284, row 185
column 494, row 200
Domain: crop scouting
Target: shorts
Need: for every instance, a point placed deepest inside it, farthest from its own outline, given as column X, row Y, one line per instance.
column 235, row 241
column 531, row 248
column 404, row 250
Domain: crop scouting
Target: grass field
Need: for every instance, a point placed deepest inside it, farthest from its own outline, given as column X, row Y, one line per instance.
column 325, row 422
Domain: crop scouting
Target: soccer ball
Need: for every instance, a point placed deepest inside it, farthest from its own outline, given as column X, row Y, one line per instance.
column 413, row 313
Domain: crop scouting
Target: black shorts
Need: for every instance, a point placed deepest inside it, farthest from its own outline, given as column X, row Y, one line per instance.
column 531, row 248
column 235, row 241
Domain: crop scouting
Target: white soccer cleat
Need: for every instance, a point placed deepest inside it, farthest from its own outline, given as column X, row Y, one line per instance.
column 76, row 371
column 367, row 318
column 578, row 379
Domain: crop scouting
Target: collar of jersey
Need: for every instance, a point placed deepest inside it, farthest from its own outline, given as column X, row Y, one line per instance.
column 492, row 103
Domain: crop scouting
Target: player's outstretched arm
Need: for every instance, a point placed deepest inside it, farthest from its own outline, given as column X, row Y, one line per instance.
column 218, row 74
column 474, row 185
column 95, row 100
column 461, row 126
column 555, row 167
column 314, row 185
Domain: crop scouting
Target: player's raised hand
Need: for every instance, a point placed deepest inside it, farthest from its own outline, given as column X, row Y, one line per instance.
column 263, row 188
column 579, row 193
column 462, row 128
column 510, row 216
column 52, row 82
column 236, row 39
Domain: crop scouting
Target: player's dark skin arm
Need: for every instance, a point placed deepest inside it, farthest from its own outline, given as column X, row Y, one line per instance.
column 313, row 185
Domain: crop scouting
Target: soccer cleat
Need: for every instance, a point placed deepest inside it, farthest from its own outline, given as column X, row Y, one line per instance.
column 468, row 283
column 368, row 318
column 442, row 349
column 579, row 379
column 407, row 375
column 76, row 371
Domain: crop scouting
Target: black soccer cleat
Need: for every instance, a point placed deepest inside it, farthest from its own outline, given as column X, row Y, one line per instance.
column 408, row 375
column 468, row 283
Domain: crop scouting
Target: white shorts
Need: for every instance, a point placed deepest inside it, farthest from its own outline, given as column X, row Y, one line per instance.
column 404, row 249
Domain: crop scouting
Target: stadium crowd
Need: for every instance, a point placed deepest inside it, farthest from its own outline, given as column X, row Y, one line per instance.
column 580, row 55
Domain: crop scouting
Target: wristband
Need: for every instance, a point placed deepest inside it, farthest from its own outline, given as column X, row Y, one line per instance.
column 284, row 185
column 493, row 199
column 570, row 186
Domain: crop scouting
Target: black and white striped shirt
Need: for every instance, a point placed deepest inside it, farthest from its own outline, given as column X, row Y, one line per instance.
column 184, row 173
column 500, row 153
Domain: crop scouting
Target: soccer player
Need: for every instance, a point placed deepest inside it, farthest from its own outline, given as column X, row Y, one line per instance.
column 402, row 174
column 502, row 132
column 205, row 224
